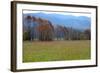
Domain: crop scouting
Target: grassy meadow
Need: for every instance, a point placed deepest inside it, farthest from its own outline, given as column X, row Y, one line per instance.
column 39, row 51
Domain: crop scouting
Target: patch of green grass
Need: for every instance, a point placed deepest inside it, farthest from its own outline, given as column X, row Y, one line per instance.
column 38, row 51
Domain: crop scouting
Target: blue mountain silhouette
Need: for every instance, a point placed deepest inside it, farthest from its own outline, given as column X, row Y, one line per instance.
column 77, row 22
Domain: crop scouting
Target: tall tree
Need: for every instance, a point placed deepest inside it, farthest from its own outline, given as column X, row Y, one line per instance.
column 45, row 30
column 87, row 33
column 28, row 22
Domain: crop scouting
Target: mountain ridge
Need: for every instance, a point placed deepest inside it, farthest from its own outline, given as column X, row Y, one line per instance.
column 77, row 22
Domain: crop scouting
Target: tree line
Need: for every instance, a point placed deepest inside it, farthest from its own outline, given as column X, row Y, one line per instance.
column 36, row 28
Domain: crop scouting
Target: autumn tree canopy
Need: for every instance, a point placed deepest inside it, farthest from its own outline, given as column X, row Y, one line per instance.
column 36, row 28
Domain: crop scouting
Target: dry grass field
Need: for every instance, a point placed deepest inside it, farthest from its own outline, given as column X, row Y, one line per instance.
column 38, row 51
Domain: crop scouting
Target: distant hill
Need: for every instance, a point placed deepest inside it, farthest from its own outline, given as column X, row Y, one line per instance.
column 77, row 22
